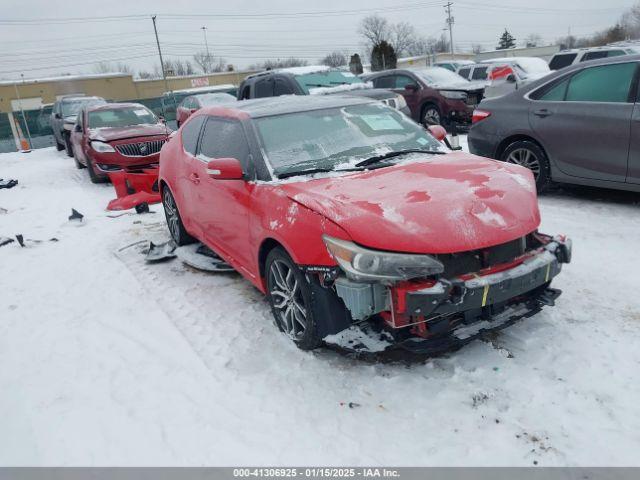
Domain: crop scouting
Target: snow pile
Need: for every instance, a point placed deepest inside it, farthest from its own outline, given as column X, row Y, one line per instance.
column 347, row 87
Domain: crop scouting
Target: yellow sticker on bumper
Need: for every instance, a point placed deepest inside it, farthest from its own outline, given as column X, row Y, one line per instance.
column 484, row 295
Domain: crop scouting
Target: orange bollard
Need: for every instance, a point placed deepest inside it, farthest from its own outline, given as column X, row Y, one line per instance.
column 24, row 144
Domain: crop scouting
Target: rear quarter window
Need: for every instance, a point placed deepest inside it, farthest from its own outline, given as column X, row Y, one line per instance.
column 191, row 132
column 561, row 61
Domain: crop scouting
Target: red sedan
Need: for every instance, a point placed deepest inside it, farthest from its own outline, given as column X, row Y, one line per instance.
column 193, row 103
column 344, row 211
column 117, row 136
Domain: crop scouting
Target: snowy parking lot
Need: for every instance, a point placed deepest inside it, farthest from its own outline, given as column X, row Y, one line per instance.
column 105, row 360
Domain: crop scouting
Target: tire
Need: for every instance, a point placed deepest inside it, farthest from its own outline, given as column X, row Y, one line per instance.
column 93, row 176
column 290, row 297
column 67, row 145
column 431, row 115
column 59, row 146
column 174, row 222
column 79, row 166
column 528, row 154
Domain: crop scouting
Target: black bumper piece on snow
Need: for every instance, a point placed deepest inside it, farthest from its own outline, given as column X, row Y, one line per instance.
column 466, row 333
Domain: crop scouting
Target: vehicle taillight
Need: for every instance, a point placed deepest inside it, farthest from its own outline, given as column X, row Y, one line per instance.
column 479, row 115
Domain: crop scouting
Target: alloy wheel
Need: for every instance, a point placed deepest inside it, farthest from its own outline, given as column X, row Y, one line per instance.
column 525, row 158
column 431, row 117
column 171, row 211
column 287, row 299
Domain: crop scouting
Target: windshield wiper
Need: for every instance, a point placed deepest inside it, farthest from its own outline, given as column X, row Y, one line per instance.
column 311, row 171
column 379, row 158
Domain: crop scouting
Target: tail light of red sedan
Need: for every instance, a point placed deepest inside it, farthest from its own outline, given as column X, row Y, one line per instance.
column 479, row 115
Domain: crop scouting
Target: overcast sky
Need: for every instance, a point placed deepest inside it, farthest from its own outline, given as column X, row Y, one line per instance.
column 248, row 31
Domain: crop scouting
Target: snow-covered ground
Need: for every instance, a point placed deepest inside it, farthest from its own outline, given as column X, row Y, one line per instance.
column 107, row 361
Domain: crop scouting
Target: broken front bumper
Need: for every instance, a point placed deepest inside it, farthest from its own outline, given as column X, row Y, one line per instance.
column 469, row 294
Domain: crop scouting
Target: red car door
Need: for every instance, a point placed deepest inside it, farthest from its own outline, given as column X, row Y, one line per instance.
column 79, row 139
column 221, row 207
column 185, row 179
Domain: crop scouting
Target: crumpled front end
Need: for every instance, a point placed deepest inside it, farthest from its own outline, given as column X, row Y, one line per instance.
column 476, row 292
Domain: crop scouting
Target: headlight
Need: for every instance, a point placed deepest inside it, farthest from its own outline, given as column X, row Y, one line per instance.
column 362, row 264
column 453, row 95
column 400, row 102
column 101, row 147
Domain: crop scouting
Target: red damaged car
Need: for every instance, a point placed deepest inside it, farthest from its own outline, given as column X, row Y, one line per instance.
column 117, row 137
column 345, row 213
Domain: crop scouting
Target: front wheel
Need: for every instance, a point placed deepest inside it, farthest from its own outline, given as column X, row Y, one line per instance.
column 529, row 155
column 289, row 295
column 178, row 233
column 431, row 116
column 93, row 176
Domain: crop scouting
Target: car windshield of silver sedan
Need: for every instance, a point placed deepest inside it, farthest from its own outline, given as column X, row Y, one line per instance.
column 72, row 107
column 340, row 139
column 121, row 117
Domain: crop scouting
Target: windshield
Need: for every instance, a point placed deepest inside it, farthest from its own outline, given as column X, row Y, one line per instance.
column 216, row 98
column 331, row 78
column 440, row 76
column 72, row 107
column 338, row 137
column 121, row 117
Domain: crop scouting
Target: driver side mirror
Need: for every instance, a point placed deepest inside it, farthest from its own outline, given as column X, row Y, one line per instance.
column 162, row 120
column 77, row 128
column 57, row 115
column 411, row 87
column 225, row 169
column 438, row 132
column 511, row 78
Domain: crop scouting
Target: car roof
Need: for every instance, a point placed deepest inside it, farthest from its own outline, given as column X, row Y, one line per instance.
column 293, row 71
column 266, row 107
column 79, row 97
column 209, row 88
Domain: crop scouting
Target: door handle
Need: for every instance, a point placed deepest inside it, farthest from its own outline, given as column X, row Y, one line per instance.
column 543, row 112
column 194, row 178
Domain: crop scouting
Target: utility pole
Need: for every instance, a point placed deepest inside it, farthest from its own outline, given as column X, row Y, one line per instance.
column 164, row 74
column 206, row 45
column 450, row 23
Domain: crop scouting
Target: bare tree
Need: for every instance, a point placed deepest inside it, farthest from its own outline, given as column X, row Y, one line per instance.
column 208, row 63
column 279, row 63
column 403, row 38
column 334, row 59
column 108, row 67
column 375, row 29
column 175, row 68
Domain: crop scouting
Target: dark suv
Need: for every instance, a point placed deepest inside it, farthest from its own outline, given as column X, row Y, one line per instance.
column 315, row 80
column 63, row 117
column 435, row 95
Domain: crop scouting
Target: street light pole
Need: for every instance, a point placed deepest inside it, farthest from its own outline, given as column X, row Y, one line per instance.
column 206, row 45
column 164, row 73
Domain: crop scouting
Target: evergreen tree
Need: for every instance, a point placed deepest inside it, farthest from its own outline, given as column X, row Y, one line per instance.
column 506, row 41
column 383, row 57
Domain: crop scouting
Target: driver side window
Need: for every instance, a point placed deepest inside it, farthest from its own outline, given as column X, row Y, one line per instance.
column 224, row 138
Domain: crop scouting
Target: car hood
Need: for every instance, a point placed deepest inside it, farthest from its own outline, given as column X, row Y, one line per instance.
column 434, row 204
column 108, row 134
column 461, row 86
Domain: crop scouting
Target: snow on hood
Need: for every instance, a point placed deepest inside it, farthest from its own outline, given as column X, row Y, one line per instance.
column 442, row 204
column 107, row 134
column 347, row 87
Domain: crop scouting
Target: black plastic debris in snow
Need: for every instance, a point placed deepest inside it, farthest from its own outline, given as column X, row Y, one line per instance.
column 142, row 207
column 160, row 253
column 75, row 215
column 8, row 183
column 6, row 241
column 20, row 239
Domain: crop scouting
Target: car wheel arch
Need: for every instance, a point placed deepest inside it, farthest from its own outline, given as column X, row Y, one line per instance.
column 266, row 246
column 519, row 137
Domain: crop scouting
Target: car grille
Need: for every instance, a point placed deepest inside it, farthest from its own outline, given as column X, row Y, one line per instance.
column 456, row 264
column 140, row 149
